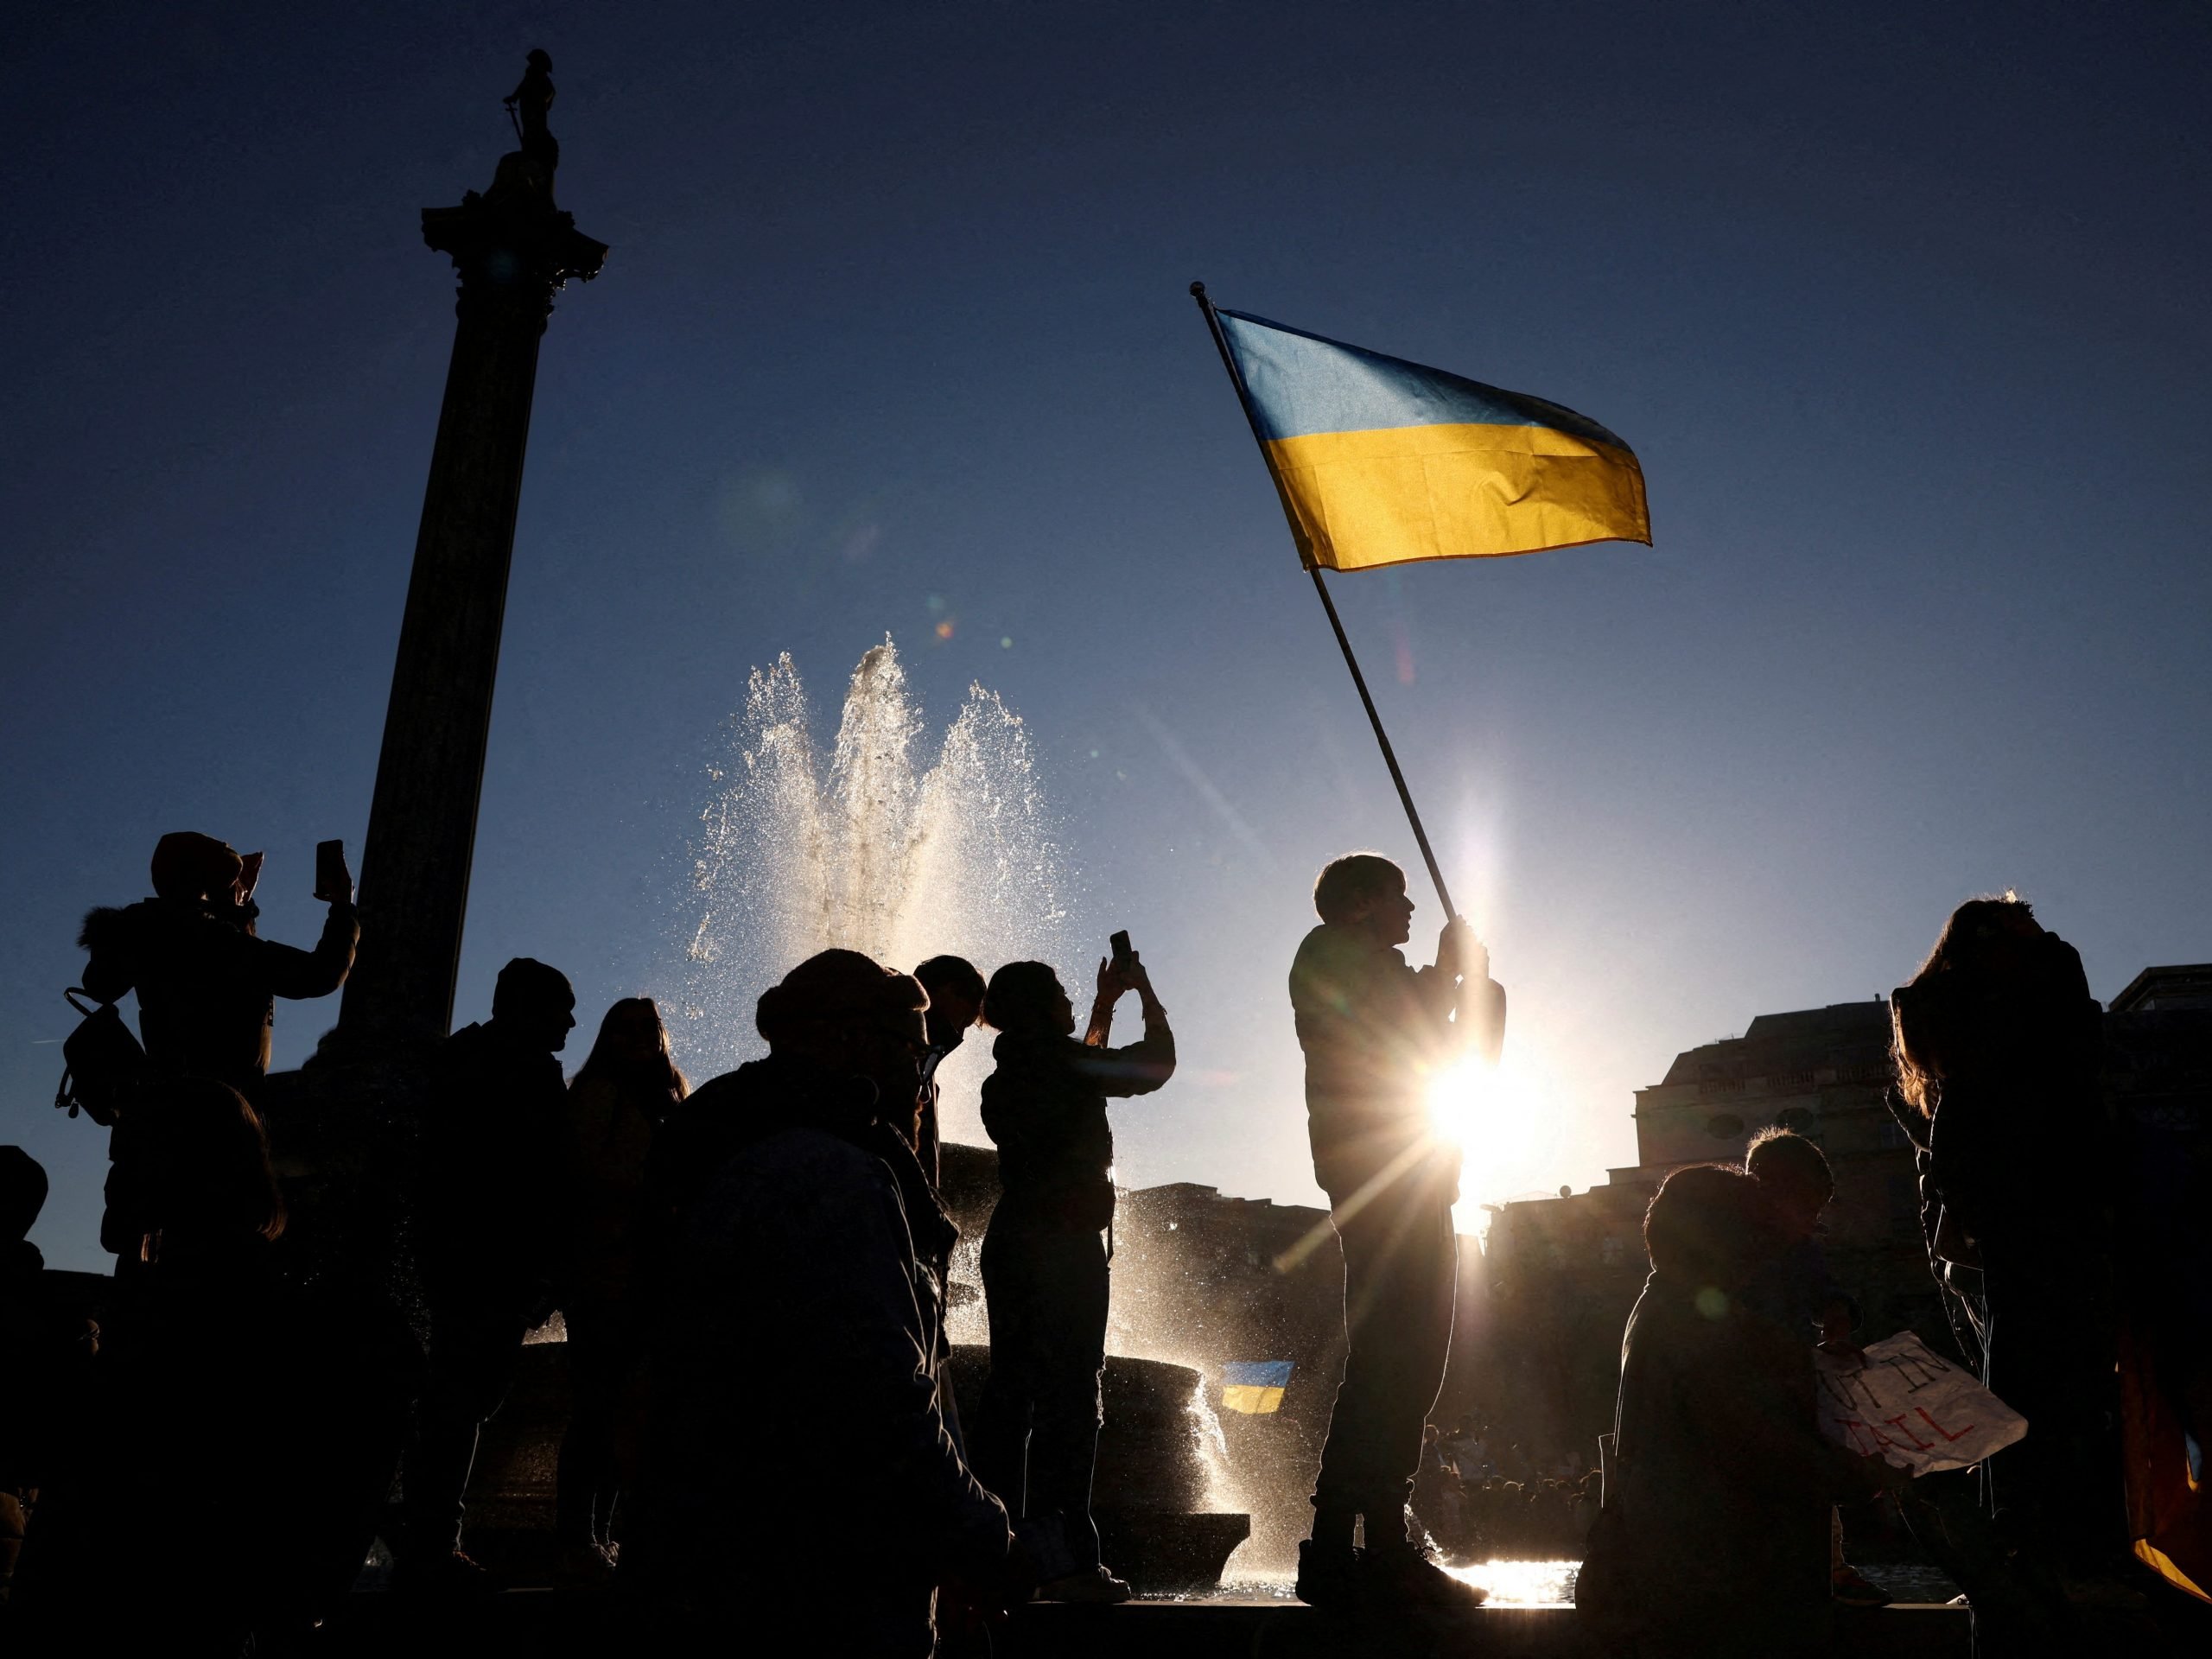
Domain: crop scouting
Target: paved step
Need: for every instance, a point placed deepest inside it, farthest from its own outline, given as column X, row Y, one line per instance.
column 546, row 1625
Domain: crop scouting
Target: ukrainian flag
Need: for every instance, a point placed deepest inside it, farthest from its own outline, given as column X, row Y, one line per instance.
column 1383, row 461
column 1254, row 1385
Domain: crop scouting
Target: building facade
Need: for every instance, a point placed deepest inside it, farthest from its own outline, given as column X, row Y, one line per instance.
column 1563, row 1273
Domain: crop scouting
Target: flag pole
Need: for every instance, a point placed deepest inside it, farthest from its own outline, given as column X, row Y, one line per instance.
column 1358, row 679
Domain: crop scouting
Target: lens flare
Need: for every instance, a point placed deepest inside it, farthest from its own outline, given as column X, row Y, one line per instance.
column 1504, row 1127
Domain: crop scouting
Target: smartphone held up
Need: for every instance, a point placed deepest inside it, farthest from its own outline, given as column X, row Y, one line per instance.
column 334, row 882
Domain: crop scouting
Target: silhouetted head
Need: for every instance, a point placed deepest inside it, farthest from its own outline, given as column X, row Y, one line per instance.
column 22, row 1193
column 210, row 1181
column 1988, row 946
column 1707, row 1230
column 1794, row 1174
column 955, row 997
column 188, row 865
column 1365, row 892
column 534, row 1004
column 538, row 60
column 847, row 1012
column 633, row 1048
column 1026, row 999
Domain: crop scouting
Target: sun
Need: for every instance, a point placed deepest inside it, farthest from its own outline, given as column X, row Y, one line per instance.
column 1501, row 1123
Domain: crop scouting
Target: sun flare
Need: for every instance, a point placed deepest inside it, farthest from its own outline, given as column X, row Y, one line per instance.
column 1499, row 1119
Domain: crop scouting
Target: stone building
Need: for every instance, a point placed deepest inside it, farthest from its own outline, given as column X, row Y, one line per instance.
column 1563, row 1273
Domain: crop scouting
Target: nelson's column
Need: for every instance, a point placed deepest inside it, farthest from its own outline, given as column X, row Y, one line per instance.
column 342, row 1139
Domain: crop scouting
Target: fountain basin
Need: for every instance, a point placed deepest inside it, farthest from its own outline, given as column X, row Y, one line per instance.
column 1149, row 1492
column 1149, row 1495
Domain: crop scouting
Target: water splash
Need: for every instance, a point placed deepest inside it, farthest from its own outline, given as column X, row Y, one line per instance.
column 869, row 849
column 1522, row 1584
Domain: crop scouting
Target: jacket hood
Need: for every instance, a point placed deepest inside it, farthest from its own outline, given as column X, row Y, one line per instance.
column 766, row 1097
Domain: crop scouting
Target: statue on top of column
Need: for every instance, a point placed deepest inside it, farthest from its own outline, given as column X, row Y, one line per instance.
column 540, row 155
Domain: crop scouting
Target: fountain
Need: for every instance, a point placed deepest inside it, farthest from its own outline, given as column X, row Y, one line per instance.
column 869, row 849
column 866, row 849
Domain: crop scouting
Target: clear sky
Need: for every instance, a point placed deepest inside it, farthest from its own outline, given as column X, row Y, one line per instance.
column 1905, row 314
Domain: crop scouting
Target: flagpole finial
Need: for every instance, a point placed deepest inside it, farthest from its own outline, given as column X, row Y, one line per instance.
column 1198, row 290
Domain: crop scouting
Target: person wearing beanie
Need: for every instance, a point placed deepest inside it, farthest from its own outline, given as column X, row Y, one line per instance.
column 801, row 1465
column 207, row 985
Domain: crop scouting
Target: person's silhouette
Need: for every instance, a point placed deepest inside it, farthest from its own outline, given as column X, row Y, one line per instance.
column 1722, row 1542
column 1374, row 1032
column 1045, row 1258
column 1998, row 1046
column 45, row 1356
column 207, row 985
column 275, row 1406
column 616, row 1107
column 488, row 1246
column 803, row 1305
column 955, row 1007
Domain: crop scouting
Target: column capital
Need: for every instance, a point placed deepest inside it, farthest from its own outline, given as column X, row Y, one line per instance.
column 512, row 248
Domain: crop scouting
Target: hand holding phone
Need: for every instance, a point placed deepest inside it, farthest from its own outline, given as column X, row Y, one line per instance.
column 334, row 882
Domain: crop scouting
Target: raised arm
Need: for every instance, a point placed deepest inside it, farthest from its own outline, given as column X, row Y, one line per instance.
column 1459, row 990
column 291, row 972
column 1143, row 1065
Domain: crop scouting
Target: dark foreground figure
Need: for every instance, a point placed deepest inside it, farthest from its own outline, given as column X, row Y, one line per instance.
column 45, row 1362
column 1374, row 1030
column 1045, row 1257
column 223, row 1467
column 1715, row 1543
column 800, row 1468
column 491, row 1154
column 1998, row 1046
column 617, row 1106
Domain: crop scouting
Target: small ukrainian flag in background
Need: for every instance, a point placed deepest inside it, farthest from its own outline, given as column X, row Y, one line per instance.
column 1254, row 1385
column 1383, row 461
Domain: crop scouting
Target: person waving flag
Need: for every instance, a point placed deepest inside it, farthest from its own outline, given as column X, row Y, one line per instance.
column 1380, row 461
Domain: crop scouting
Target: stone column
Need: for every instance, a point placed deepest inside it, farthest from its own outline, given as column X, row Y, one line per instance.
column 513, row 251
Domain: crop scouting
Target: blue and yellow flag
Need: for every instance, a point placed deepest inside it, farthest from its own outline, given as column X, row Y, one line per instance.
column 1254, row 1385
column 1383, row 461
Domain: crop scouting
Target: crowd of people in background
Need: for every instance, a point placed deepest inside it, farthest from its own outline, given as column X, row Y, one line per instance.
column 750, row 1270
column 1474, row 1510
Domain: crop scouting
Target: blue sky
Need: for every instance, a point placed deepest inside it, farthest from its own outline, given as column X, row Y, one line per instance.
column 1903, row 313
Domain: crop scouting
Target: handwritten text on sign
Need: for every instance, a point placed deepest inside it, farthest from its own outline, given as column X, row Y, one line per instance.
column 1921, row 1413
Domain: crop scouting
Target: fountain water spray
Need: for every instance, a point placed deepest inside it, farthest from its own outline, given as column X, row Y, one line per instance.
column 869, row 849
column 872, row 849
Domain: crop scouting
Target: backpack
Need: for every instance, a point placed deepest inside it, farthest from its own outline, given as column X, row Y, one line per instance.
column 103, row 1062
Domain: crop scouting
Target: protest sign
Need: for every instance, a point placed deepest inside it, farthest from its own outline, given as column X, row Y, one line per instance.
column 1918, row 1411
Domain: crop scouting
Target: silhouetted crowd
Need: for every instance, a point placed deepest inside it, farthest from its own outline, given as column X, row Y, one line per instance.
column 1474, row 1513
column 754, row 1280
column 1718, row 1514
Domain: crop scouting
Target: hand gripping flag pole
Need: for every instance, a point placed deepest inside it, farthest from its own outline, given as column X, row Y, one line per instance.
column 1358, row 679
